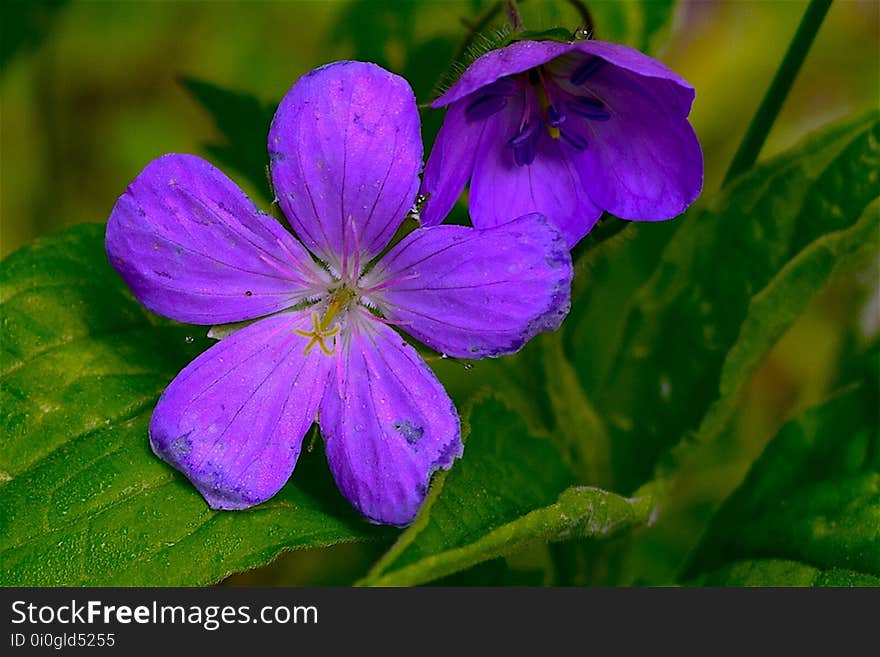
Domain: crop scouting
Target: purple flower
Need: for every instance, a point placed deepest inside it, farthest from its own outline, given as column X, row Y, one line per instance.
column 345, row 152
column 567, row 130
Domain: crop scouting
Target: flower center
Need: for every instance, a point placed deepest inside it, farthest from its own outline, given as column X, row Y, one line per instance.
column 553, row 118
column 350, row 301
column 556, row 100
column 323, row 327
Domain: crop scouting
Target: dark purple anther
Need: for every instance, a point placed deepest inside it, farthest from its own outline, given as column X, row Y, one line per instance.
column 526, row 134
column 587, row 70
column 574, row 140
column 523, row 142
column 524, row 154
column 502, row 87
column 484, row 107
column 589, row 108
column 554, row 117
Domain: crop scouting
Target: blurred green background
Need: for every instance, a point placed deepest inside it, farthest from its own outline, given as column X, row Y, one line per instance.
column 92, row 91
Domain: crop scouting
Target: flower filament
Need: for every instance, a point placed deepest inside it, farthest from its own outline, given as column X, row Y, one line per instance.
column 549, row 95
column 553, row 118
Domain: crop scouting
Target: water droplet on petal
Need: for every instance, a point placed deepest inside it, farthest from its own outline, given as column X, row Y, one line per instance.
column 665, row 387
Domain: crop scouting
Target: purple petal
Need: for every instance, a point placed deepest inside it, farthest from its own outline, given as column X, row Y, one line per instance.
column 193, row 247
column 644, row 162
column 450, row 163
column 528, row 133
column 472, row 293
column 589, row 108
column 676, row 90
column 524, row 55
column 495, row 64
column 525, row 141
column 388, row 425
column 586, row 70
column 634, row 153
column 550, row 184
column 346, row 150
column 555, row 118
column 234, row 419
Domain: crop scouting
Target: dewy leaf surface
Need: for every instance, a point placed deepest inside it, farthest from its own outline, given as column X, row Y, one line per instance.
column 580, row 512
column 774, row 572
column 808, row 512
column 778, row 305
column 510, row 489
column 82, row 498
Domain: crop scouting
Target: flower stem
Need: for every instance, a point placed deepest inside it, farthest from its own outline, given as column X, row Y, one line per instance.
column 767, row 112
column 586, row 17
column 475, row 27
column 511, row 8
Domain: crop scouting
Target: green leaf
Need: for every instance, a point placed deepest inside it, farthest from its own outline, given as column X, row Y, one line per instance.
column 580, row 512
column 607, row 276
column 519, row 379
column 731, row 279
column 243, row 121
column 777, row 306
column 509, row 491
column 808, row 512
column 578, row 430
column 495, row 572
column 26, row 25
column 82, row 498
column 775, row 572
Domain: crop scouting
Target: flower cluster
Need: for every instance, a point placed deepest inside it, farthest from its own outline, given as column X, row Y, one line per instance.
column 550, row 135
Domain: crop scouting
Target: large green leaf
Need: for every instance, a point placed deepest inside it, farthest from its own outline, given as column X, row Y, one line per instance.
column 82, row 498
column 733, row 276
column 777, row 306
column 580, row 512
column 809, row 510
column 775, row 572
column 509, row 491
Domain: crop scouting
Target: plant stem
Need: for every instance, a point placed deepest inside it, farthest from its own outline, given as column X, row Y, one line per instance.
column 585, row 15
column 767, row 112
column 513, row 16
column 475, row 27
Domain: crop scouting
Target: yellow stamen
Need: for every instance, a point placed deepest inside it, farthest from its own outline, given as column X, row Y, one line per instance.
column 544, row 102
column 321, row 325
column 319, row 333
